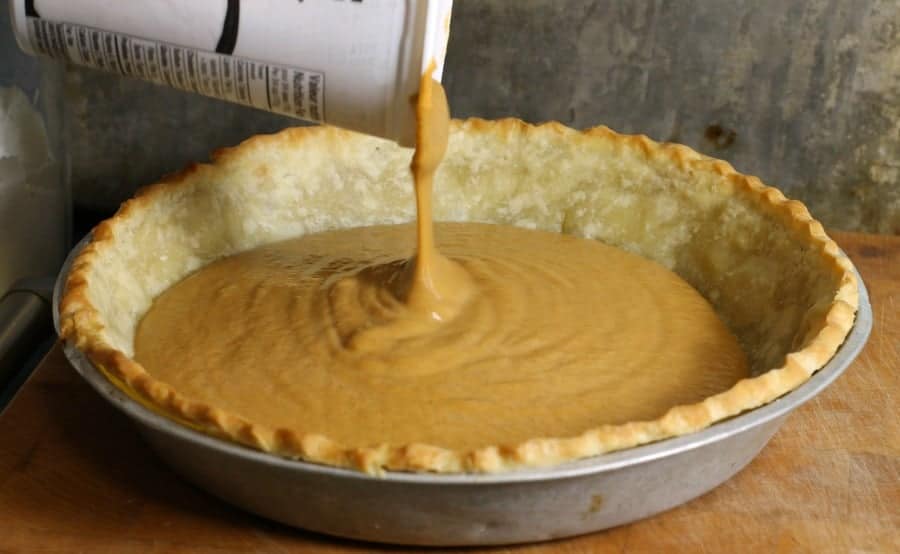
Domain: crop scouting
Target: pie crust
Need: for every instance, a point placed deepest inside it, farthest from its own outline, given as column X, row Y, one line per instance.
column 770, row 271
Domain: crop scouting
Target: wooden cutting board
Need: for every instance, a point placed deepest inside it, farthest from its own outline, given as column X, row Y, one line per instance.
column 74, row 477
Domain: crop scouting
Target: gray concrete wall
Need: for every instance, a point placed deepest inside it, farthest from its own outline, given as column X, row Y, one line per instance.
column 803, row 93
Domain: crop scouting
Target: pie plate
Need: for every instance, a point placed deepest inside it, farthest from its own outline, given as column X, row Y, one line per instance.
column 470, row 509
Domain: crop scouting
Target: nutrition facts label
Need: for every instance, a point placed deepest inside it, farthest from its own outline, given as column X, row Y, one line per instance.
column 286, row 90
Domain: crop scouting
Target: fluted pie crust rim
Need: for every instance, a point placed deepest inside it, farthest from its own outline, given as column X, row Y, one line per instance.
column 95, row 319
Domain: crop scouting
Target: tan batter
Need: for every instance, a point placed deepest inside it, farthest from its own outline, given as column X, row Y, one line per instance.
column 503, row 335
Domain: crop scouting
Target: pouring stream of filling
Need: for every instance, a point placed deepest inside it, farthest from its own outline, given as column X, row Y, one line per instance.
column 466, row 336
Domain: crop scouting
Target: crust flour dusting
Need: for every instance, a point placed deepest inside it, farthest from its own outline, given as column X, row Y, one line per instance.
column 772, row 274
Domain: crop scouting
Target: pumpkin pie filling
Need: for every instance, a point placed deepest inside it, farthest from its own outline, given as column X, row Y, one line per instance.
column 558, row 335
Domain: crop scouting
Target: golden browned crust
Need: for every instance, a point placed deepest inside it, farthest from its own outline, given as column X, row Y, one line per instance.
column 97, row 317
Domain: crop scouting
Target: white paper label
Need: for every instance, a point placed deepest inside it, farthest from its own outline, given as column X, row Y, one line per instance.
column 276, row 88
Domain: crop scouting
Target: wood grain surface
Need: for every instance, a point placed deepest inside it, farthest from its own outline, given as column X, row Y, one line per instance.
column 74, row 476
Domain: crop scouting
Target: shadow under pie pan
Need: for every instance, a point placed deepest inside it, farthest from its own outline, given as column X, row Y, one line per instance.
column 520, row 504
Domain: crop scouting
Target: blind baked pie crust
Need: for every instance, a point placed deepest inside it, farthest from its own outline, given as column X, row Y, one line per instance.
column 770, row 271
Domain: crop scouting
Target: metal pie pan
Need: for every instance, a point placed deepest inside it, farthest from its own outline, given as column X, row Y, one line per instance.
column 440, row 510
